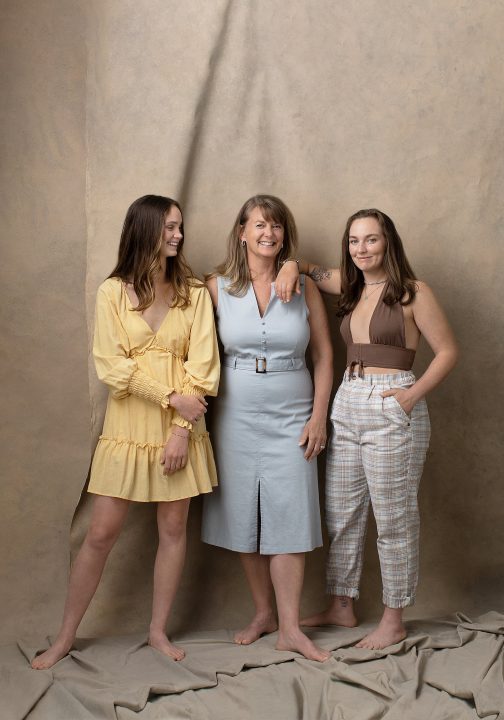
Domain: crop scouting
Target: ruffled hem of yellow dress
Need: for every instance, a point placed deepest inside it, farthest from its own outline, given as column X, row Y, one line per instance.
column 130, row 470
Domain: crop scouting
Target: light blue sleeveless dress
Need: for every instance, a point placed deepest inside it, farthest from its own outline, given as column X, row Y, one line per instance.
column 267, row 499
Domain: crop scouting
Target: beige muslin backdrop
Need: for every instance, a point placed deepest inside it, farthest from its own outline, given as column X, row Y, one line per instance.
column 332, row 106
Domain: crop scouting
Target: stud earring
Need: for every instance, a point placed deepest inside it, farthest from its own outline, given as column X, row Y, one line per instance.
column 243, row 243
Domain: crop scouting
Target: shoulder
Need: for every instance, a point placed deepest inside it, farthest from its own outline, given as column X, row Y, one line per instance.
column 213, row 288
column 198, row 293
column 110, row 288
column 423, row 292
column 425, row 302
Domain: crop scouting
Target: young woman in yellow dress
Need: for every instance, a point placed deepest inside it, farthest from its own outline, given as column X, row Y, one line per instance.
column 155, row 347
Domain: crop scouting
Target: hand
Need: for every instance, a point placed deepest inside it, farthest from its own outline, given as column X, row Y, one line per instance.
column 403, row 397
column 287, row 281
column 314, row 436
column 190, row 407
column 174, row 455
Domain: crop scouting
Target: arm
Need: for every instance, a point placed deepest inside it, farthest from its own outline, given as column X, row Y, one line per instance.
column 202, row 369
column 328, row 279
column 432, row 323
column 111, row 355
column 315, row 432
column 202, row 365
column 213, row 289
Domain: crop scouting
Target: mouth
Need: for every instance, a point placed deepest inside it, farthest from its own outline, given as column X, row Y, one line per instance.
column 173, row 244
column 266, row 243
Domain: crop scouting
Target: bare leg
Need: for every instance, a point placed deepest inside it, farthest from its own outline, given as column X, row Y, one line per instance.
column 389, row 631
column 172, row 522
column 339, row 612
column 257, row 570
column 107, row 519
column 287, row 575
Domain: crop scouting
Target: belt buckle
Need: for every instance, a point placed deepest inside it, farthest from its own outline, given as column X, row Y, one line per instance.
column 260, row 364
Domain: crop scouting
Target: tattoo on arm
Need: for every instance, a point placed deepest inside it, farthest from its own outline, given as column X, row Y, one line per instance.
column 320, row 273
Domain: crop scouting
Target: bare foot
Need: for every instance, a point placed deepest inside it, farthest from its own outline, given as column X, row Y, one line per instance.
column 297, row 641
column 159, row 641
column 340, row 612
column 50, row 657
column 260, row 625
column 387, row 633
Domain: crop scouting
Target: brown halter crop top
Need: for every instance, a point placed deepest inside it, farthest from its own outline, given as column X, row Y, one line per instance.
column 387, row 346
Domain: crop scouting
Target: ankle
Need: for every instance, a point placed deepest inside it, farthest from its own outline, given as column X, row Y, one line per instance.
column 157, row 630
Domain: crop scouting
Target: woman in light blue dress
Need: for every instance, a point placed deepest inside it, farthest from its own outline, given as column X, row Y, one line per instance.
column 270, row 422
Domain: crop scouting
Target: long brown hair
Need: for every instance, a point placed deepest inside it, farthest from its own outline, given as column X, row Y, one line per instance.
column 235, row 266
column 139, row 249
column 401, row 285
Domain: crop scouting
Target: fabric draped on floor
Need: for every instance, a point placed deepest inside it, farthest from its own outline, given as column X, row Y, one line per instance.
column 448, row 669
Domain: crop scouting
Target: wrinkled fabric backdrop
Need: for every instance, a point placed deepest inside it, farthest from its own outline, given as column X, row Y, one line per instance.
column 331, row 106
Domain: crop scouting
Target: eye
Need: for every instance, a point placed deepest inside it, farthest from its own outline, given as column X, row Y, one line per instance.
column 277, row 227
column 353, row 241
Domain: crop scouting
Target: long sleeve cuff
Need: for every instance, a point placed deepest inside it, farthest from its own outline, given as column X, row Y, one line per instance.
column 179, row 420
column 189, row 389
column 148, row 388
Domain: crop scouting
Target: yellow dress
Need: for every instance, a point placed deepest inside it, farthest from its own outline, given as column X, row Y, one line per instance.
column 142, row 368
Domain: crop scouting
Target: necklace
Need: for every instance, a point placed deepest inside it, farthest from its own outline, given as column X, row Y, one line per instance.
column 376, row 282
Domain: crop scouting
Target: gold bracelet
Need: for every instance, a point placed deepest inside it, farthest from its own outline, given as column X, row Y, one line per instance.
column 186, row 437
column 290, row 259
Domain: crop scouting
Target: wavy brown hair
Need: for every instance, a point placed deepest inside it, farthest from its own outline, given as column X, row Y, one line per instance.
column 235, row 266
column 401, row 280
column 140, row 247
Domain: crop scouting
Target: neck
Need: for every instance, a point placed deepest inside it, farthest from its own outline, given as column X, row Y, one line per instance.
column 262, row 269
column 374, row 277
column 160, row 276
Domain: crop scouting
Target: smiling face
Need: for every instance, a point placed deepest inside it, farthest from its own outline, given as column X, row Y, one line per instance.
column 367, row 245
column 172, row 232
column 263, row 237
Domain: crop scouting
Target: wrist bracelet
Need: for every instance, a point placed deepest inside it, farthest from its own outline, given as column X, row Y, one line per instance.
column 290, row 259
column 186, row 437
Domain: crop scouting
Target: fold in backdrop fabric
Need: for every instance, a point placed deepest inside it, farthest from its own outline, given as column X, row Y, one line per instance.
column 448, row 669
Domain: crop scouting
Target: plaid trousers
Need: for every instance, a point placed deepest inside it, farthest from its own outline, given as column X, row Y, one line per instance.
column 376, row 454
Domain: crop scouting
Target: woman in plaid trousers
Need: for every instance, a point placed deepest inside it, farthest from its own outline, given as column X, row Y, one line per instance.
column 380, row 423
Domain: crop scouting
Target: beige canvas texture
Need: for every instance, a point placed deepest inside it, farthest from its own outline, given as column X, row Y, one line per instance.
column 333, row 107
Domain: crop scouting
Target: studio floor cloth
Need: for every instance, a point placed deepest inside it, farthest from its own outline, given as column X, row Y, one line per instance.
column 447, row 669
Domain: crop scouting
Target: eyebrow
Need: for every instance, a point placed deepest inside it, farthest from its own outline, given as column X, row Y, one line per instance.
column 354, row 237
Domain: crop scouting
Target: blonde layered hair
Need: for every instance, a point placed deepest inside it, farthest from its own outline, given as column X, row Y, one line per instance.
column 235, row 266
column 139, row 251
